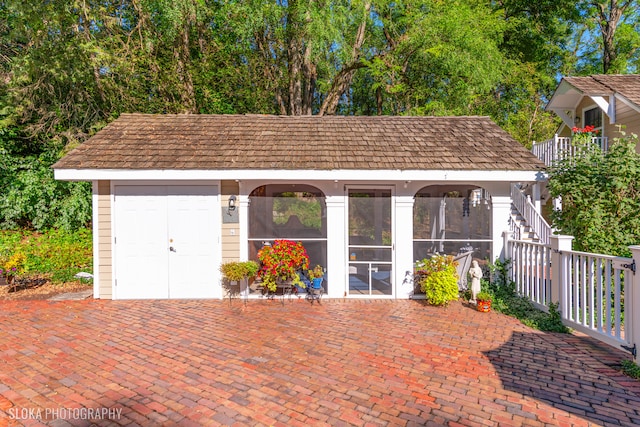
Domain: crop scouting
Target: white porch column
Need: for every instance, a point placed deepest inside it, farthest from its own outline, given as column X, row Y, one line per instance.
column 559, row 243
column 633, row 309
column 501, row 208
column 535, row 196
column 336, row 247
column 403, row 273
column 243, row 224
column 96, row 239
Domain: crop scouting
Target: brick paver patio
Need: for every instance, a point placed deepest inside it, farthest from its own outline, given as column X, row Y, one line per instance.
column 339, row 363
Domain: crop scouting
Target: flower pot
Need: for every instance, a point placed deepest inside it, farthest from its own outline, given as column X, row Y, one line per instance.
column 484, row 306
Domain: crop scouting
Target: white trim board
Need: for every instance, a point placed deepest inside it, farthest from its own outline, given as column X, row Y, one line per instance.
column 302, row 175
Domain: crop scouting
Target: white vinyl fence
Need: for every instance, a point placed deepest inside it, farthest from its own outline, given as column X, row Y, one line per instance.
column 598, row 295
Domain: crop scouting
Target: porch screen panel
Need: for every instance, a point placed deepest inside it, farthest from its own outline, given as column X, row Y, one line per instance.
column 370, row 242
column 289, row 211
column 450, row 220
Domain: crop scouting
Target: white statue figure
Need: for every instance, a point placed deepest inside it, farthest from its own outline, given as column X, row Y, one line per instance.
column 476, row 274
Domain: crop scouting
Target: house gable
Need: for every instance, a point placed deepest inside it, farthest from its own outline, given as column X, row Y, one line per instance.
column 615, row 95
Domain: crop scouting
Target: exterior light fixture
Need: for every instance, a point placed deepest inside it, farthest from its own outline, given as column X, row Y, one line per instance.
column 232, row 204
column 576, row 120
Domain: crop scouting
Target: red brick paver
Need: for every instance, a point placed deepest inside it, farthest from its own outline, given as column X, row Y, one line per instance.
column 361, row 363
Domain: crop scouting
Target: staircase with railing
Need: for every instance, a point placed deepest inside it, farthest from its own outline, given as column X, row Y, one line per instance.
column 526, row 222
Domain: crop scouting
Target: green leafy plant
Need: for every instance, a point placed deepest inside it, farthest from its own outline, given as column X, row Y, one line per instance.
column 13, row 265
column 600, row 198
column 238, row 270
column 438, row 279
column 281, row 262
column 506, row 300
column 55, row 254
column 484, row 296
column 630, row 369
column 251, row 268
column 315, row 273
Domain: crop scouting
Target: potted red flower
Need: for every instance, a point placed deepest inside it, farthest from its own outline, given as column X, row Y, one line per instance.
column 281, row 262
column 483, row 301
column 583, row 136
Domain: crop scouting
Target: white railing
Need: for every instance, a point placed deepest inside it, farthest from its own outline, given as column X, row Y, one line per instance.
column 530, row 214
column 596, row 294
column 593, row 296
column 560, row 147
column 531, row 271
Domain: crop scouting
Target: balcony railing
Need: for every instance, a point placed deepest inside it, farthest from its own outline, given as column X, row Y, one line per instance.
column 560, row 148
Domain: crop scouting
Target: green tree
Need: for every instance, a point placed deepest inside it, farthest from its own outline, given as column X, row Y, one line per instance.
column 600, row 198
column 534, row 43
column 607, row 38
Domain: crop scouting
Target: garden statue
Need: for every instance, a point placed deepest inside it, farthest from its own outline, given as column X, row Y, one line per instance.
column 476, row 274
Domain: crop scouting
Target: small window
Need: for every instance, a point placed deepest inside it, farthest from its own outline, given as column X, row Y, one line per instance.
column 593, row 117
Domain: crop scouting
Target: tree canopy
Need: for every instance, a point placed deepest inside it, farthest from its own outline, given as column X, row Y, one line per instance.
column 67, row 68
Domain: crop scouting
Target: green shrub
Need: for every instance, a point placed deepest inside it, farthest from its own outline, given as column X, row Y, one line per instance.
column 507, row 301
column 439, row 279
column 32, row 199
column 600, row 203
column 57, row 254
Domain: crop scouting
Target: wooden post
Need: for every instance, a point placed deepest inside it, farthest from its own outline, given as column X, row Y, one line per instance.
column 559, row 243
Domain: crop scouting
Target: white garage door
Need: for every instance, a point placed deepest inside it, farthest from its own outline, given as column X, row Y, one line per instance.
column 166, row 241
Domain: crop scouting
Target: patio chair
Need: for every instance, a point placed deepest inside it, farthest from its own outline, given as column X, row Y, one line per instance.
column 315, row 290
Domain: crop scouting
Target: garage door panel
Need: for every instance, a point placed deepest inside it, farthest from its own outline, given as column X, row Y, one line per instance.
column 192, row 228
column 151, row 219
column 141, row 252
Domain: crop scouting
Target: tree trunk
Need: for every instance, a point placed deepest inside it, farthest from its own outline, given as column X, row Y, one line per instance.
column 181, row 54
column 92, row 55
column 343, row 79
column 309, row 74
column 608, row 20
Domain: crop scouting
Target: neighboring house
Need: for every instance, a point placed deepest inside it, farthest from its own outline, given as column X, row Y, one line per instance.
column 174, row 196
column 605, row 102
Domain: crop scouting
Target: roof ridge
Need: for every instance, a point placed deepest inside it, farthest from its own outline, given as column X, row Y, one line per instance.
column 597, row 79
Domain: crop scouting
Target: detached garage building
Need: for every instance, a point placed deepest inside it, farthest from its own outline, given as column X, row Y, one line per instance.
column 174, row 196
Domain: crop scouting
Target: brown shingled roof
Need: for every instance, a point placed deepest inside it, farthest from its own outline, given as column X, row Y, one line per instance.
column 627, row 85
column 226, row 142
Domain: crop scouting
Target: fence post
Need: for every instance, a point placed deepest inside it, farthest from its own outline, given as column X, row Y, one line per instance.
column 634, row 309
column 507, row 236
column 559, row 243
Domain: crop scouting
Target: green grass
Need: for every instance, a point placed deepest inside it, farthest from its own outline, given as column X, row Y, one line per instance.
column 631, row 369
column 56, row 254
